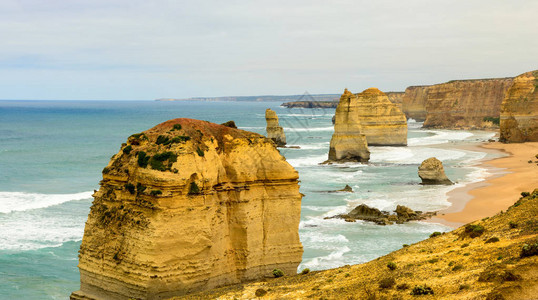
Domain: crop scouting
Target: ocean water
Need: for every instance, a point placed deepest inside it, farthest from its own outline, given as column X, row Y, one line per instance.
column 52, row 154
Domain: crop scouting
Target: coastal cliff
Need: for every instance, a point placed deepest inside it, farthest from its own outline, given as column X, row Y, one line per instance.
column 274, row 130
column 382, row 122
column 394, row 97
column 189, row 205
column 348, row 142
column 457, row 103
column 519, row 110
column 493, row 258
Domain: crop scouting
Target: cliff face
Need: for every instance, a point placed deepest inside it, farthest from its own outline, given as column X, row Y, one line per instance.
column 274, row 130
column 456, row 104
column 382, row 122
column 189, row 205
column 348, row 142
column 519, row 110
column 396, row 98
column 494, row 258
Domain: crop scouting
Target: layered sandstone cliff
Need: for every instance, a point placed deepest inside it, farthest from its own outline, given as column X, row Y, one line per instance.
column 189, row 205
column 457, row 103
column 348, row 142
column 519, row 110
column 396, row 98
column 382, row 122
column 274, row 130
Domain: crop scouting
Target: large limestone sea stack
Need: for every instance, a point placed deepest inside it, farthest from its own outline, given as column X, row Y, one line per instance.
column 519, row 110
column 348, row 142
column 383, row 123
column 189, row 205
column 274, row 130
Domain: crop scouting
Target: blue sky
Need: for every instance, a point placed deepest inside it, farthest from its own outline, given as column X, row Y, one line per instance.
column 116, row 49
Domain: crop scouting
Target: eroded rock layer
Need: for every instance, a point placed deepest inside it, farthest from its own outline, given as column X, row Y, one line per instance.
column 189, row 205
column 519, row 110
column 383, row 123
column 431, row 171
column 274, row 130
column 348, row 142
column 457, row 103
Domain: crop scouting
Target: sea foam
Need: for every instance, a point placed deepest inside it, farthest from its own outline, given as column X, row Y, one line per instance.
column 19, row 201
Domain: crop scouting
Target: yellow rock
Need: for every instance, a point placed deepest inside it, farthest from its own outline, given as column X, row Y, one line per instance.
column 274, row 130
column 348, row 142
column 519, row 110
column 190, row 205
column 383, row 123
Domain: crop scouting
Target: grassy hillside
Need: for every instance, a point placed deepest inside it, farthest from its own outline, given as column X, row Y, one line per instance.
column 493, row 258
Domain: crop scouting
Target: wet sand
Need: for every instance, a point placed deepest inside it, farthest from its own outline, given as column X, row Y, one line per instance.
column 512, row 175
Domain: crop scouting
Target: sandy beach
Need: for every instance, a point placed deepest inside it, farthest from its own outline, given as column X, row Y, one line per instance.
column 513, row 174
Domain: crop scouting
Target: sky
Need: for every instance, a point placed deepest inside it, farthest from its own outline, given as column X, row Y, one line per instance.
column 131, row 50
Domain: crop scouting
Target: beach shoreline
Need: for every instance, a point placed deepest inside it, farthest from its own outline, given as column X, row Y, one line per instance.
column 511, row 175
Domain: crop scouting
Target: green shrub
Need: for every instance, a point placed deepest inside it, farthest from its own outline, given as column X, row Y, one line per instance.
column 512, row 224
column 176, row 127
column 200, row 152
column 392, row 266
column 494, row 120
column 525, row 194
column 433, row 260
column 387, row 283
column 405, row 245
column 457, row 268
column 529, row 250
column 422, row 290
column 465, row 245
column 194, row 189
column 474, row 230
column 162, row 139
column 130, row 187
column 156, row 192
column 402, row 286
column 143, row 159
column 305, row 271
column 127, row 149
column 259, row 292
column 492, row 240
column 140, row 188
column 157, row 160
column 106, row 170
column 278, row 273
column 179, row 139
column 437, row 233
column 464, row 287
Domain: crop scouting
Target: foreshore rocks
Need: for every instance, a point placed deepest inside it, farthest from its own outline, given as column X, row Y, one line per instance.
column 190, row 205
column 274, row 130
column 382, row 122
column 431, row 172
column 519, row 110
column 348, row 142
column 365, row 213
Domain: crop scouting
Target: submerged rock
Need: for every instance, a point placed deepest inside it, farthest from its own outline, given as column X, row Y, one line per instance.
column 519, row 110
column 431, row 171
column 190, row 205
column 274, row 130
column 348, row 142
column 347, row 188
column 371, row 214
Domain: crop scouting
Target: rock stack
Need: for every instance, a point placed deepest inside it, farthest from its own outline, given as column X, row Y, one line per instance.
column 431, row 171
column 274, row 130
column 189, row 205
column 519, row 110
column 383, row 123
column 348, row 142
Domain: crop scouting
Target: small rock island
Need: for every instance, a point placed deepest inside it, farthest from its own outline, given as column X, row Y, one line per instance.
column 431, row 172
column 187, row 205
column 274, row 130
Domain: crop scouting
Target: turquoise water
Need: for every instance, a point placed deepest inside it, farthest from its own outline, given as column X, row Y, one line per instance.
column 52, row 154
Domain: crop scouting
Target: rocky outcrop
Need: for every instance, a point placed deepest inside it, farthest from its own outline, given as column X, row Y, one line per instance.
column 519, row 110
column 396, row 98
column 383, row 123
column 431, row 171
column 274, row 130
column 371, row 214
column 457, row 103
column 230, row 124
column 189, row 205
column 311, row 104
column 348, row 142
